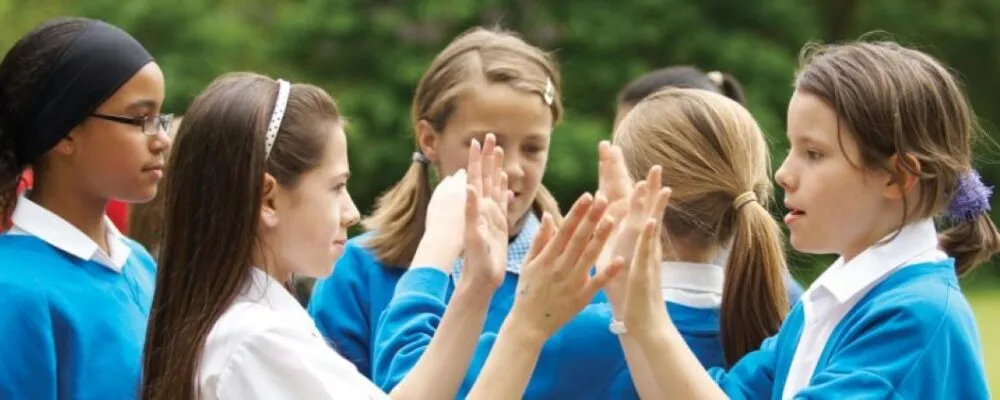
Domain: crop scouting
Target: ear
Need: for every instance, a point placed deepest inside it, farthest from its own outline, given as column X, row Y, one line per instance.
column 268, row 206
column 67, row 145
column 904, row 172
column 427, row 140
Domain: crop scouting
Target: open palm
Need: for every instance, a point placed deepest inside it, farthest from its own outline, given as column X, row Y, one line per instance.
column 486, row 215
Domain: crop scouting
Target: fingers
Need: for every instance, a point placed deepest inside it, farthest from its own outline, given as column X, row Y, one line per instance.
column 475, row 166
column 643, row 254
column 488, row 167
column 576, row 215
column 618, row 167
column 654, row 180
column 585, row 230
column 603, row 276
column 542, row 238
column 503, row 195
column 662, row 201
column 471, row 208
column 596, row 244
column 637, row 207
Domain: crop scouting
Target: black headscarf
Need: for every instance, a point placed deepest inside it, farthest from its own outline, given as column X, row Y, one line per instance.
column 90, row 70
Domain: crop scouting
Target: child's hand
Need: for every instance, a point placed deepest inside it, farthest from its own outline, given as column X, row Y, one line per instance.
column 555, row 283
column 613, row 180
column 445, row 225
column 643, row 310
column 486, row 217
column 626, row 236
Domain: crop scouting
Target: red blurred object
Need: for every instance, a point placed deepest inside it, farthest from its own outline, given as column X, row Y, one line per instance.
column 117, row 211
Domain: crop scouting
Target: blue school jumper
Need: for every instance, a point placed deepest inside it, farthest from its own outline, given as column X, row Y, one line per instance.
column 912, row 336
column 72, row 328
column 583, row 360
column 347, row 305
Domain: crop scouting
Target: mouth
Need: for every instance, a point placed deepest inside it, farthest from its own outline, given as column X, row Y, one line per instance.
column 793, row 214
column 340, row 242
column 152, row 168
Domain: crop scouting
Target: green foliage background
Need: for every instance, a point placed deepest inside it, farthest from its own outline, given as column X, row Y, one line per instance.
column 370, row 54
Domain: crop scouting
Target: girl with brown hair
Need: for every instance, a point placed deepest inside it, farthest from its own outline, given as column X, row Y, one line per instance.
column 485, row 81
column 881, row 139
column 267, row 160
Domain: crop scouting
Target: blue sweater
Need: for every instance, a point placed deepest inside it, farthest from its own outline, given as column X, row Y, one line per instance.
column 73, row 329
column 583, row 360
column 912, row 336
column 348, row 305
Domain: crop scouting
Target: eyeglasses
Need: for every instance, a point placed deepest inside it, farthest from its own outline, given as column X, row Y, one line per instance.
column 151, row 124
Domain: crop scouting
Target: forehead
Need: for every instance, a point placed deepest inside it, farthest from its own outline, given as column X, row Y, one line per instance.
column 336, row 148
column 144, row 90
column 810, row 118
column 501, row 109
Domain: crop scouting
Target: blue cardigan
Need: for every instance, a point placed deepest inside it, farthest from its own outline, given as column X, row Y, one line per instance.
column 912, row 336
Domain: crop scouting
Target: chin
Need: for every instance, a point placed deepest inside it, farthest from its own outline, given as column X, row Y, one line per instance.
column 142, row 195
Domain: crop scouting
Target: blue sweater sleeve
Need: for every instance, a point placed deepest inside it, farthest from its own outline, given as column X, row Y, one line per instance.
column 752, row 377
column 339, row 305
column 407, row 325
column 28, row 357
column 922, row 346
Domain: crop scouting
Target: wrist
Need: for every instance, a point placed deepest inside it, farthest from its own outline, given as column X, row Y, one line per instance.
column 434, row 253
column 525, row 334
column 473, row 293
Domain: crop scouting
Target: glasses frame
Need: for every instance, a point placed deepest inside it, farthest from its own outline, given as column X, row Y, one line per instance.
column 151, row 125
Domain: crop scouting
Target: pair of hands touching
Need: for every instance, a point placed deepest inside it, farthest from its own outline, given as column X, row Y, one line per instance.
column 618, row 229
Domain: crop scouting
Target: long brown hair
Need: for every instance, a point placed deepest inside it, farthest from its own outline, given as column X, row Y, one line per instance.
column 715, row 160
column 479, row 54
column 893, row 100
column 211, row 211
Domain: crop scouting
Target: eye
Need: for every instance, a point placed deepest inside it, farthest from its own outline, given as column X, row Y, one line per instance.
column 533, row 149
column 340, row 187
column 813, row 154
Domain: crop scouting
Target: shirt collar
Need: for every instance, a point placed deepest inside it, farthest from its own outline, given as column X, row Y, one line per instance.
column 914, row 242
column 517, row 250
column 32, row 219
column 692, row 284
column 263, row 289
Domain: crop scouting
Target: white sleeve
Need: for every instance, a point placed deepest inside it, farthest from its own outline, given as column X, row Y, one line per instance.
column 282, row 363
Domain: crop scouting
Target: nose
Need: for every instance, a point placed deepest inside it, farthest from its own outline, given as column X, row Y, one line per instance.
column 161, row 142
column 512, row 166
column 350, row 215
column 783, row 176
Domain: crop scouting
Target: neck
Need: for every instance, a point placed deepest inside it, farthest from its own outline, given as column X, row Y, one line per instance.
column 83, row 211
column 264, row 261
column 880, row 229
column 677, row 250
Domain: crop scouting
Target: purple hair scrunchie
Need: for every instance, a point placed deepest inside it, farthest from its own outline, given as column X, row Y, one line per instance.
column 972, row 197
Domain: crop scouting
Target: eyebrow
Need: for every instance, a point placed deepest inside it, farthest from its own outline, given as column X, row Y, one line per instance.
column 345, row 176
column 143, row 103
column 498, row 134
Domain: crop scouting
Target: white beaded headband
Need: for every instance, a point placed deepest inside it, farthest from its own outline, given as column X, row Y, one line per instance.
column 279, row 113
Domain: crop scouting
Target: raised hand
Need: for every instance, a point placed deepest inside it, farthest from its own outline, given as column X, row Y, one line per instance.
column 555, row 283
column 622, row 245
column 642, row 306
column 445, row 227
column 485, row 233
column 613, row 180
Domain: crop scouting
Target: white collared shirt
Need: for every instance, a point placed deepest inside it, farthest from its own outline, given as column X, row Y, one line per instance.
column 30, row 218
column 842, row 285
column 265, row 346
column 692, row 284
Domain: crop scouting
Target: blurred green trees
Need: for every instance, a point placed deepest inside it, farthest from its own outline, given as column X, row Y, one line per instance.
column 370, row 54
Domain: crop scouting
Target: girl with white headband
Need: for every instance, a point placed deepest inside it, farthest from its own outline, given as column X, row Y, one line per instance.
column 268, row 161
